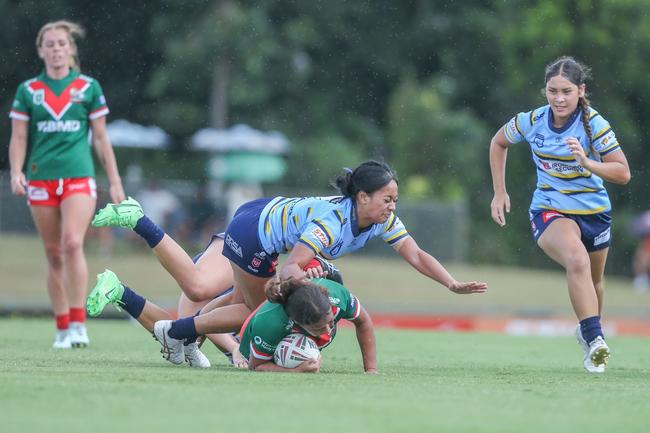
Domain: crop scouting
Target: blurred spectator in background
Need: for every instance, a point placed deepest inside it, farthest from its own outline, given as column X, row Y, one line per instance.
column 206, row 217
column 641, row 264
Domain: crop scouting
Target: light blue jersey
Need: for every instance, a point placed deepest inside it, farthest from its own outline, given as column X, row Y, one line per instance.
column 562, row 184
column 327, row 225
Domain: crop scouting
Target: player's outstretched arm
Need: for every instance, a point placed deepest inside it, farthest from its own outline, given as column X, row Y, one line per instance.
column 432, row 268
column 367, row 342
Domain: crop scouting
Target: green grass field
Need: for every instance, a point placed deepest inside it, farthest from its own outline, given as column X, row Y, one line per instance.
column 429, row 382
column 443, row 382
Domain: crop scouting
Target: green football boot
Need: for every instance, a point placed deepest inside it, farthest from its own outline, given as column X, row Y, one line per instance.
column 108, row 290
column 126, row 214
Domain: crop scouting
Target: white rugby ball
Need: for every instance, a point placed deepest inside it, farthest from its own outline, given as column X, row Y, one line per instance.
column 295, row 349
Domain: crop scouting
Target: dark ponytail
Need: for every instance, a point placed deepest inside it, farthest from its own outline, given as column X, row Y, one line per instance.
column 369, row 177
column 305, row 302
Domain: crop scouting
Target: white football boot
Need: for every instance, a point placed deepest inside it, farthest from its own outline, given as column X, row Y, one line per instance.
column 172, row 348
column 587, row 362
column 195, row 357
column 62, row 340
column 599, row 353
column 78, row 334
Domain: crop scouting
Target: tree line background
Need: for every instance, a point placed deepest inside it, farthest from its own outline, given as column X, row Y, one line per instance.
column 422, row 84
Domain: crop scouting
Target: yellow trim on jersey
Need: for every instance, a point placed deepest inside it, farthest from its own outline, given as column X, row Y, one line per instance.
column 569, row 176
column 296, row 220
column 532, row 117
column 578, row 211
column 609, row 148
column 561, row 158
column 311, row 244
column 518, row 126
column 390, row 223
column 593, row 113
column 396, row 235
column 285, row 214
column 340, row 216
column 327, row 230
column 267, row 227
column 545, row 187
column 602, row 132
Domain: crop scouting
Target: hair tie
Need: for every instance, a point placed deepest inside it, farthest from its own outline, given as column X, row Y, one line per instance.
column 348, row 170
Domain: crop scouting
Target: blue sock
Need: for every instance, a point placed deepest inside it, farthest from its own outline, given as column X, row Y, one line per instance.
column 184, row 329
column 190, row 340
column 590, row 328
column 132, row 303
column 149, row 231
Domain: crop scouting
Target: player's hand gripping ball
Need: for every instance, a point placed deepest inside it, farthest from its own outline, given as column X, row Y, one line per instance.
column 295, row 349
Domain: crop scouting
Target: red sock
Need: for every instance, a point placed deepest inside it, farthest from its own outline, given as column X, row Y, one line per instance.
column 78, row 315
column 62, row 322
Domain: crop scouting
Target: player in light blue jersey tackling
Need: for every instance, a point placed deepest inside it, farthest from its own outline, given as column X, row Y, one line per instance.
column 574, row 151
column 263, row 229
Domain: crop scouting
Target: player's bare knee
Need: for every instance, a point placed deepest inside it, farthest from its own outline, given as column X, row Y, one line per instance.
column 54, row 256
column 71, row 245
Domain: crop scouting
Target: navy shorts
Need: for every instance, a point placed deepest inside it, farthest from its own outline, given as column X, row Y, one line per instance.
column 595, row 230
column 242, row 244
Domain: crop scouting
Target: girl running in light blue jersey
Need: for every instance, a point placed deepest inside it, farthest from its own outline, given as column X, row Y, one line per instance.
column 574, row 151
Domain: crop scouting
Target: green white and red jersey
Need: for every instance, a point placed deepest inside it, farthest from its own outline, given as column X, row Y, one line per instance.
column 59, row 114
column 270, row 323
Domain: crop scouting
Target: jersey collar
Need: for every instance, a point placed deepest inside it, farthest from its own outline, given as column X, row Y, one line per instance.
column 65, row 80
column 566, row 126
column 354, row 220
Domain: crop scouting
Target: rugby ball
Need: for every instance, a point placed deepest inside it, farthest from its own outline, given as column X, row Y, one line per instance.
column 295, row 349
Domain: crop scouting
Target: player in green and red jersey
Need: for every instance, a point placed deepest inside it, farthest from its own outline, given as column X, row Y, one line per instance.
column 310, row 308
column 52, row 115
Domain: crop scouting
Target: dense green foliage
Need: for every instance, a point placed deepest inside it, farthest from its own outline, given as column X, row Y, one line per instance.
column 445, row 382
column 422, row 83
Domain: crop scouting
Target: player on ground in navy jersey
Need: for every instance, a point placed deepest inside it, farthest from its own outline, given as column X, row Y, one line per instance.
column 53, row 113
column 574, row 150
column 304, row 227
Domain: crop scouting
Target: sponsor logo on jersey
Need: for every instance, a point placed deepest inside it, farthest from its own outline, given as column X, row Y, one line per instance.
column 233, row 246
column 561, row 167
column 336, row 249
column 58, row 126
column 319, row 234
column 77, row 95
column 334, row 301
column 38, row 96
column 263, row 344
column 511, row 128
column 539, row 116
column 603, row 237
column 539, row 140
